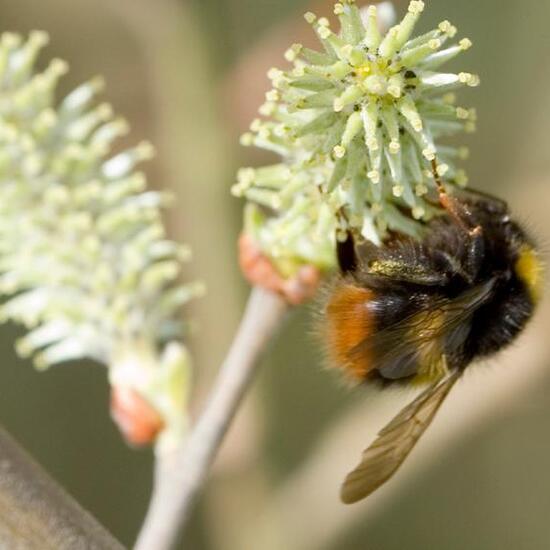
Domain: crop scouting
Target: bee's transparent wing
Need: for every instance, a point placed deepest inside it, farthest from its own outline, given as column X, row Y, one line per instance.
column 394, row 443
column 415, row 342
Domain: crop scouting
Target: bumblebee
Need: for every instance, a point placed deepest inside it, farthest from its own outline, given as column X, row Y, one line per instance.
column 420, row 312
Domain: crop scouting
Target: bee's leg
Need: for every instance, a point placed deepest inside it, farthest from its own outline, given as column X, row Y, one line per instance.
column 347, row 255
column 463, row 217
column 475, row 254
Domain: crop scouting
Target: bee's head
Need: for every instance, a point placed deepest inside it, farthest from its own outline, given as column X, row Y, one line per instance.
column 510, row 244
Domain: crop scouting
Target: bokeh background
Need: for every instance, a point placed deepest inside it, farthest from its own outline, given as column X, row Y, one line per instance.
column 189, row 75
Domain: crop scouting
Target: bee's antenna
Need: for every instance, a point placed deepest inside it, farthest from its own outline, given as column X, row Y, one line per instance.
column 437, row 178
column 444, row 198
column 456, row 209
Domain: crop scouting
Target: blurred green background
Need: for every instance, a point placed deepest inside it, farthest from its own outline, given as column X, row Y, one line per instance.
column 189, row 76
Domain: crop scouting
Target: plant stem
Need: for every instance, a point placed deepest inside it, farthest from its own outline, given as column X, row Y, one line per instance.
column 179, row 476
column 35, row 512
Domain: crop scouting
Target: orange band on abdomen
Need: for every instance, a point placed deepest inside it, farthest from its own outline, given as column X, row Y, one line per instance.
column 349, row 323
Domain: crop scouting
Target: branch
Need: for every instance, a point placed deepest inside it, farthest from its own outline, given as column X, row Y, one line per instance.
column 35, row 512
column 180, row 475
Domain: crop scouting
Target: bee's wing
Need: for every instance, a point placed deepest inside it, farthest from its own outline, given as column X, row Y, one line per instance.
column 416, row 341
column 393, row 444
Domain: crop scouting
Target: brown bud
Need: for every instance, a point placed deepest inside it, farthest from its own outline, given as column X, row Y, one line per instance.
column 260, row 271
column 137, row 420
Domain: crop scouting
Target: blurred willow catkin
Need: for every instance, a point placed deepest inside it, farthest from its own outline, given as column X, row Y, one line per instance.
column 84, row 258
